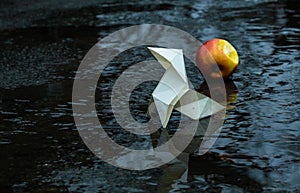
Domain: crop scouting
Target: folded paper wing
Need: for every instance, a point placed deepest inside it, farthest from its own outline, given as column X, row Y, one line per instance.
column 174, row 85
column 197, row 106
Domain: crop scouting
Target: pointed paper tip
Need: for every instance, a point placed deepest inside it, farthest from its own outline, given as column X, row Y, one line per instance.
column 164, row 111
column 150, row 48
column 158, row 49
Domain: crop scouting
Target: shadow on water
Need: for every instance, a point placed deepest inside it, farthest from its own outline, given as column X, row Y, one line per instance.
column 257, row 150
column 219, row 169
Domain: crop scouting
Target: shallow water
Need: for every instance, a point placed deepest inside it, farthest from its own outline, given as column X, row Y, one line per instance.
column 257, row 150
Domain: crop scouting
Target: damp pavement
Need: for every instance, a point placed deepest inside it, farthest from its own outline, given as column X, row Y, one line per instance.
column 42, row 44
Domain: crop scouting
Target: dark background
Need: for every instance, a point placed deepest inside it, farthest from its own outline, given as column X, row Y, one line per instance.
column 42, row 44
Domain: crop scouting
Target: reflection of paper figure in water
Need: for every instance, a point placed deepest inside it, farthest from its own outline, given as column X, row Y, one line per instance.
column 188, row 164
column 178, row 168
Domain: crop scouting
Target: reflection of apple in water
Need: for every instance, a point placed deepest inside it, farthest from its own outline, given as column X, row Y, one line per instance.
column 231, row 92
column 220, row 52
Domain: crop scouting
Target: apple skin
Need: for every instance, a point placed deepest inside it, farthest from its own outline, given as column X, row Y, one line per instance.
column 217, row 53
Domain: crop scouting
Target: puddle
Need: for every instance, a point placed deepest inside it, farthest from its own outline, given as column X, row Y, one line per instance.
column 257, row 150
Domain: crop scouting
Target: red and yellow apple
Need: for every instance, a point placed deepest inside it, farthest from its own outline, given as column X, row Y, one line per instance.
column 217, row 58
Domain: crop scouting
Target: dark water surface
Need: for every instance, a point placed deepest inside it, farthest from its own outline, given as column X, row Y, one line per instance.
column 42, row 45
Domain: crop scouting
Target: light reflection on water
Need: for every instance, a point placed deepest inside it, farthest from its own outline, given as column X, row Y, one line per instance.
column 258, row 149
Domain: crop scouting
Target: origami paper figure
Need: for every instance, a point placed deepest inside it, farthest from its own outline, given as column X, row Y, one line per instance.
column 174, row 86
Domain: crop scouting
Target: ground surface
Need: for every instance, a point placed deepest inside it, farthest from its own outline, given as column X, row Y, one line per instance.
column 43, row 42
